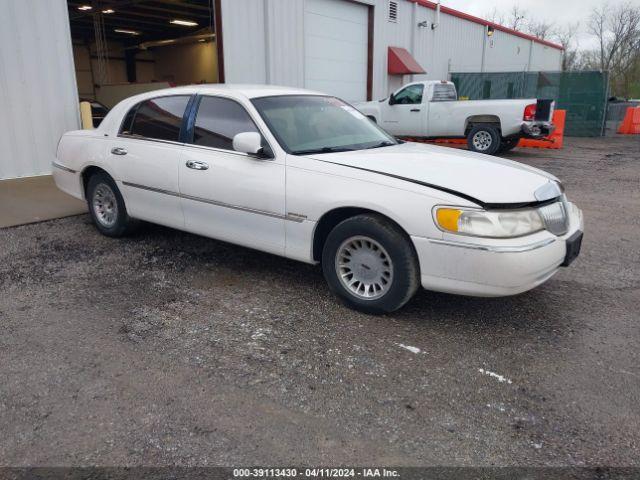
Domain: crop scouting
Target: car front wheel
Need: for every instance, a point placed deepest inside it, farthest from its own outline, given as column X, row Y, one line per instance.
column 106, row 206
column 370, row 264
column 484, row 139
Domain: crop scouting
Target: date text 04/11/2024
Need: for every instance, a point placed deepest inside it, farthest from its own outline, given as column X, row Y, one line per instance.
column 315, row 472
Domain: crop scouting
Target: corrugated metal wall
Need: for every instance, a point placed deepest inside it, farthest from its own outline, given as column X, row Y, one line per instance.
column 456, row 45
column 264, row 42
column 38, row 94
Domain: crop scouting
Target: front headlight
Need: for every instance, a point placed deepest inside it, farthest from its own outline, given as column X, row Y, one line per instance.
column 494, row 224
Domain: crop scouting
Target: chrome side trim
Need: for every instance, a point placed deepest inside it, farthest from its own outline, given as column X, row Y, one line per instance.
column 219, row 150
column 296, row 217
column 62, row 167
column 192, row 145
column 494, row 248
column 151, row 189
column 148, row 139
column 290, row 217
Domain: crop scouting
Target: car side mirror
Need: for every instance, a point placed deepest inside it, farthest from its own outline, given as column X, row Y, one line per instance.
column 392, row 99
column 248, row 142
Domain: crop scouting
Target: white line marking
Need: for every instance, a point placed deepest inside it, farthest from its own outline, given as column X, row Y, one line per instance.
column 498, row 377
column 410, row 348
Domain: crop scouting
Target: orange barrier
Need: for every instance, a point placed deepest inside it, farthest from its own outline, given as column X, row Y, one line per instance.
column 631, row 123
column 555, row 140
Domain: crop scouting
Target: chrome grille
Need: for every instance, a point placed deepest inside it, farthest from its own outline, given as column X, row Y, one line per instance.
column 554, row 217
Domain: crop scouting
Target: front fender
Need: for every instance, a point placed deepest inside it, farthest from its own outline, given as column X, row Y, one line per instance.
column 370, row 109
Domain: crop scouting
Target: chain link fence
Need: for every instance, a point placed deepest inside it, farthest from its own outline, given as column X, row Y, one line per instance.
column 582, row 94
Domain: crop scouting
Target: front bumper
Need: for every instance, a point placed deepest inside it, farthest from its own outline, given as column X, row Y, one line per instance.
column 537, row 129
column 493, row 267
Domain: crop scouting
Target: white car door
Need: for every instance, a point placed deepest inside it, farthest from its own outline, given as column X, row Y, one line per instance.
column 405, row 116
column 441, row 119
column 145, row 158
column 226, row 194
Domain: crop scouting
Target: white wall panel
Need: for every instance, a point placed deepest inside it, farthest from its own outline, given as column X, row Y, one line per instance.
column 244, row 41
column 457, row 44
column 38, row 93
column 545, row 58
column 506, row 53
column 285, row 52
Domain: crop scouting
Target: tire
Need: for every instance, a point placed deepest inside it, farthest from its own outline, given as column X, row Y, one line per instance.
column 484, row 138
column 391, row 264
column 508, row 144
column 107, row 207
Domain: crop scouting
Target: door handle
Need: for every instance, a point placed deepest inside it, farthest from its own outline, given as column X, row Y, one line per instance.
column 118, row 151
column 415, row 109
column 196, row 165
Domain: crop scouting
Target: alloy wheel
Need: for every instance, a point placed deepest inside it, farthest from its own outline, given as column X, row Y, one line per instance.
column 105, row 205
column 364, row 267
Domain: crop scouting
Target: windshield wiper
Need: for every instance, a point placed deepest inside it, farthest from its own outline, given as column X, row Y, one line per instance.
column 322, row 150
column 385, row 143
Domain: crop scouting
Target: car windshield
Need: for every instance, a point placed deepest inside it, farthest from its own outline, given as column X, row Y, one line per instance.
column 305, row 124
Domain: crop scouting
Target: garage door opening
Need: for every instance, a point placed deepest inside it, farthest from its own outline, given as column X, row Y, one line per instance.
column 125, row 47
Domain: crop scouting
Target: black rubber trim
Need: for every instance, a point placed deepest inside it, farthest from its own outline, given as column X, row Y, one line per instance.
column 486, row 206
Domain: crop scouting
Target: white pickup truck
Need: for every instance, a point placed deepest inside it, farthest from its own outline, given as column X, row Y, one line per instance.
column 431, row 109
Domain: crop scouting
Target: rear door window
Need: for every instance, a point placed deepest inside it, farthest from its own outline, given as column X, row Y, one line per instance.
column 158, row 118
column 219, row 120
column 444, row 92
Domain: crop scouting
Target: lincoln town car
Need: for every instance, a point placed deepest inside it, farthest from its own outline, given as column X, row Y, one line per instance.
column 306, row 176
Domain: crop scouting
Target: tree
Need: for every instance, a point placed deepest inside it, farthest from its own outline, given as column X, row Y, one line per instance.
column 495, row 16
column 566, row 36
column 618, row 32
column 541, row 29
column 516, row 18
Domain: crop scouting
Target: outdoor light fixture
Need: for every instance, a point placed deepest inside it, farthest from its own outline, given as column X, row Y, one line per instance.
column 108, row 10
column 128, row 32
column 85, row 7
column 185, row 23
column 490, row 31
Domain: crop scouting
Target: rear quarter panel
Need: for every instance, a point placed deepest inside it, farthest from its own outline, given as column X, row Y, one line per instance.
column 78, row 150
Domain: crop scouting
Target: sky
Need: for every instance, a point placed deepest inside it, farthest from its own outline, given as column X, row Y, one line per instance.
column 556, row 11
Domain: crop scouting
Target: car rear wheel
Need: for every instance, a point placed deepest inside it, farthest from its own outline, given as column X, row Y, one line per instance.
column 484, row 138
column 106, row 206
column 370, row 264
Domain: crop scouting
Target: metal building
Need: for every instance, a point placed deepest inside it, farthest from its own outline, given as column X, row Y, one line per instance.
column 38, row 94
column 354, row 49
column 343, row 46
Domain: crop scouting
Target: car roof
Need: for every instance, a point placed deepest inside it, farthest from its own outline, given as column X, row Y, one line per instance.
column 247, row 91
column 239, row 92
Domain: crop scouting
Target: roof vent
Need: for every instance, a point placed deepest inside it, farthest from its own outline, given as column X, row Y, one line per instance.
column 393, row 11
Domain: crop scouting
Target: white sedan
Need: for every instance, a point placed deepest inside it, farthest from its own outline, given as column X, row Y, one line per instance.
column 306, row 176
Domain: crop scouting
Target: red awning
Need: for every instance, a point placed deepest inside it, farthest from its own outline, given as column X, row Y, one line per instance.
column 400, row 62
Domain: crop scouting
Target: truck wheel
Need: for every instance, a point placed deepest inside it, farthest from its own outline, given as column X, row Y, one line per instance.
column 370, row 264
column 106, row 206
column 484, row 139
column 508, row 144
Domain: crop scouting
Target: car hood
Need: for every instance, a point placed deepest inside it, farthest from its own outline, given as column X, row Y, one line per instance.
column 481, row 178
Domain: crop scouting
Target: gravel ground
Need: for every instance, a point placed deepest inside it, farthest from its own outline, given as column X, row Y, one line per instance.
column 167, row 348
